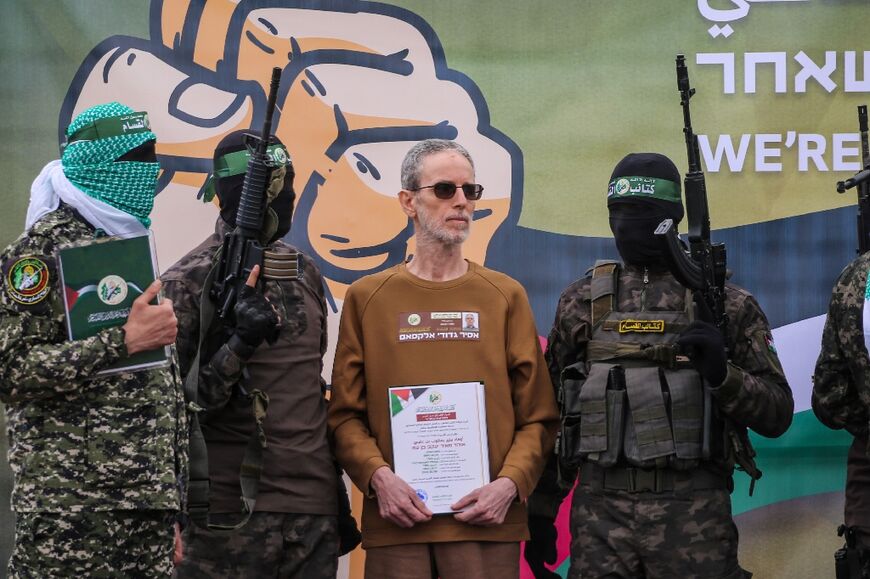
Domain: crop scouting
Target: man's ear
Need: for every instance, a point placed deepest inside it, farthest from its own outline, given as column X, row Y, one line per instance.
column 406, row 200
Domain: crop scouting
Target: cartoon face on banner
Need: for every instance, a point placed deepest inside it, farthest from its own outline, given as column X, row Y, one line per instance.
column 359, row 86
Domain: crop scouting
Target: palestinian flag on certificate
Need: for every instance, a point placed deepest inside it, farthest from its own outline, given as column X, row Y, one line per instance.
column 400, row 398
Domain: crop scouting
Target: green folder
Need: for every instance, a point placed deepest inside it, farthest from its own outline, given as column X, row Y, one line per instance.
column 100, row 280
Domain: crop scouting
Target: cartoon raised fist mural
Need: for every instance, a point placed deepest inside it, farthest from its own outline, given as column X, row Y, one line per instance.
column 361, row 83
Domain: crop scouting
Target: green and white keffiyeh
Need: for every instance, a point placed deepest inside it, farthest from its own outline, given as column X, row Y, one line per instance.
column 96, row 138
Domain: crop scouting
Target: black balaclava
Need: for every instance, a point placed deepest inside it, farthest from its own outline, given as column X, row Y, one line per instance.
column 644, row 190
column 229, row 188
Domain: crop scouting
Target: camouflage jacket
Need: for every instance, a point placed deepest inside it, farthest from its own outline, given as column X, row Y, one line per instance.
column 78, row 441
column 841, row 382
column 755, row 393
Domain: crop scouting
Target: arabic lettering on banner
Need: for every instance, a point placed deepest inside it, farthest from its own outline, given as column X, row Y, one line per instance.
column 739, row 11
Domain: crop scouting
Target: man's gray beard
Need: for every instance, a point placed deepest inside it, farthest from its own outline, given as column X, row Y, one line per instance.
column 437, row 233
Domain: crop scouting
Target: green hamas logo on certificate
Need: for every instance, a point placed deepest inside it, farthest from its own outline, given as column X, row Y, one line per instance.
column 112, row 290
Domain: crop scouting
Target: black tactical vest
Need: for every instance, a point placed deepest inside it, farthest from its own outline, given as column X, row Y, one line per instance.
column 634, row 401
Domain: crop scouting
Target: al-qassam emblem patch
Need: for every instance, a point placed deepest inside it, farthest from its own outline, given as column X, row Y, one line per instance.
column 112, row 290
column 27, row 281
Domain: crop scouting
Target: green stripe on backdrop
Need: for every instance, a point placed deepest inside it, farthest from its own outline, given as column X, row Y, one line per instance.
column 808, row 459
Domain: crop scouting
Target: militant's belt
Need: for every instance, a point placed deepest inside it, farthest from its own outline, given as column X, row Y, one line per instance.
column 656, row 480
column 281, row 266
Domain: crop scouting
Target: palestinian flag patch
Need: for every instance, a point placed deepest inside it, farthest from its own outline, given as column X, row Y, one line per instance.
column 27, row 281
column 768, row 338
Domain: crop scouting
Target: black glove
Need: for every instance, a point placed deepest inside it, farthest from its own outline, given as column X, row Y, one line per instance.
column 256, row 320
column 541, row 547
column 348, row 533
column 703, row 344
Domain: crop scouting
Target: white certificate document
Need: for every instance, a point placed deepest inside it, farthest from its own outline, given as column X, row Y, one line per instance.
column 440, row 445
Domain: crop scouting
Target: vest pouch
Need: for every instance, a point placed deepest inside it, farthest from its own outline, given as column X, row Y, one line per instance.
column 585, row 413
column 687, row 417
column 615, row 426
column 648, row 436
column 593, row 412
column 569, row 438
column 572, row 379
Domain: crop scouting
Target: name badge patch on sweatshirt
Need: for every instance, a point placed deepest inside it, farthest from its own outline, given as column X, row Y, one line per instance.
column 438, row 326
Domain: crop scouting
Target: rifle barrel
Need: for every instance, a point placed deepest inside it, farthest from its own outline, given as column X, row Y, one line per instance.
column 862, row 128
column 686, row 93
column 270, row 108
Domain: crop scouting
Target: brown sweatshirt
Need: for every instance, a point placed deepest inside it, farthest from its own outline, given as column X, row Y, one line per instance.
column 383, row 342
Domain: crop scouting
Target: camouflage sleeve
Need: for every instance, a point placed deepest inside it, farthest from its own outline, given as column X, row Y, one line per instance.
column 218, row 376
column 222, row 370
column 36, row 358
column 32, row 365
column 185, row 302
column 755, row 393
column 843, row 361
column 566, row 344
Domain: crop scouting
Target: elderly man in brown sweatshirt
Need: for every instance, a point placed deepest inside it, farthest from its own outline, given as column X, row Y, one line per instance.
column 402, row 537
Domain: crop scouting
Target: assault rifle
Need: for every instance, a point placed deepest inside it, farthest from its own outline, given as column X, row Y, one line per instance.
column 861, row 180
column 241, row 249
column 703, row 268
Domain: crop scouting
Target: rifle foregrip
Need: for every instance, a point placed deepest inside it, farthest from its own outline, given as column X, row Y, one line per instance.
column 250, row 213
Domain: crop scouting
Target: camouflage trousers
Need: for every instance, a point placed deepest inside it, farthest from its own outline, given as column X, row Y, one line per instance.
column 282, row 545
column 617, row 534
column 859, row 560
column 861, row 569
column 128, row 544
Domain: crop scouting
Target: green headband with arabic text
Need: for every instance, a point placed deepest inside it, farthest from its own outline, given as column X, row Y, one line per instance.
column 631, row 187
column 236, row 163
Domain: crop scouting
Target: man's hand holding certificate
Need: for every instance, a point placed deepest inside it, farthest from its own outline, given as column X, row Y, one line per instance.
column 487, row 505
column 397, row 502
column 441, row 458
column 103, row 283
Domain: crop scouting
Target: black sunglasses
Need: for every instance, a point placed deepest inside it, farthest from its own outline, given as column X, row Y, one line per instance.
column 445, row 190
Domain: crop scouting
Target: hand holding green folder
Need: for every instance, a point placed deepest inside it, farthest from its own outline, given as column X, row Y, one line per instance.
column 101, row 280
